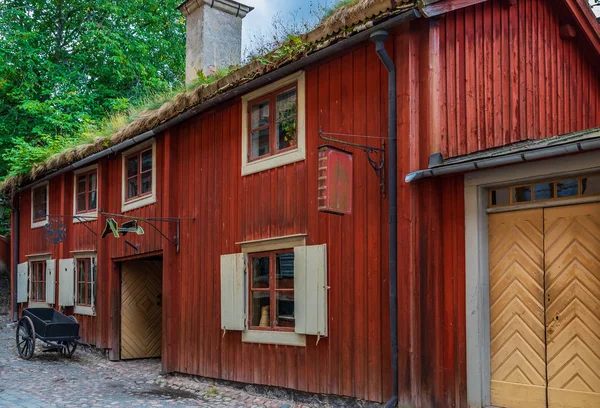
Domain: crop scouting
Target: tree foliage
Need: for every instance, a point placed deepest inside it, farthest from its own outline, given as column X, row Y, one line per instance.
column 66, row 65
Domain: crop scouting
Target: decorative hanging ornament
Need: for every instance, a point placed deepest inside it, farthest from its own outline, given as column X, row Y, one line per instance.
column 56, row 231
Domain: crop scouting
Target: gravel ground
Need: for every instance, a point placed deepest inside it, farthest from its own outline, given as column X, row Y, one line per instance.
column 89, row 380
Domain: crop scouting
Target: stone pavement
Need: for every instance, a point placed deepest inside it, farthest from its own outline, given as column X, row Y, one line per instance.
column 89, row 380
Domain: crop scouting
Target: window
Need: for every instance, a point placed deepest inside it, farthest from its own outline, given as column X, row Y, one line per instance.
column 39, row 205
column 38, row 282
column 272, row 291
column 139, row 176
column 273, row 125
column 84, row 288
column 273, row 133
column 86, row 194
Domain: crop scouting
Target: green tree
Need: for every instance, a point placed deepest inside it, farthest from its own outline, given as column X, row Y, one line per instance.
column 67, row 64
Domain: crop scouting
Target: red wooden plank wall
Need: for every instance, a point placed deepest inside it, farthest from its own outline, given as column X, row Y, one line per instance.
column 510, row 77
column 477, row 78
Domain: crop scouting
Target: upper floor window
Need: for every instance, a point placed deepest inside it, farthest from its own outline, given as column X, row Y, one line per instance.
column 273, row 125
column 39, row 205
column 139, row 176
column 86, row 192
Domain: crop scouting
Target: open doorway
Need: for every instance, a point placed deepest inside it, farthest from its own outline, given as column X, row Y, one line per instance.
column 141, row 308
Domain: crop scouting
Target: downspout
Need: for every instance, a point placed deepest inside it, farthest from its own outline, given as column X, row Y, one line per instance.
column 15, row 250
column 379, row 38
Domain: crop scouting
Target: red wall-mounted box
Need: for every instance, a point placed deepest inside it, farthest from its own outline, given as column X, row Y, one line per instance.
column 335, row 180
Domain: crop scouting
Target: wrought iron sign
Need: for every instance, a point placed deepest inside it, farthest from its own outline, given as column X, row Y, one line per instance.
column 55, row 231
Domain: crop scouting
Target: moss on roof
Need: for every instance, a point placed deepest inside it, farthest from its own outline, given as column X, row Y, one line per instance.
column 343, row 22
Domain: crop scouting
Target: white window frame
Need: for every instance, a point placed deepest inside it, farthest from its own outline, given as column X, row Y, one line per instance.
column 85, row 310
column 41, row 223
column 264, row 336
column 147, row 199
column 30, row 259
column 87, row 216
column 287, row 157
column 476, row 185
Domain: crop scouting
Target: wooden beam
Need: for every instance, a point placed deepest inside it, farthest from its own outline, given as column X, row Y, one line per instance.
column 509, row 3
column 567, row 32
column 432, row 8
column 585, row 19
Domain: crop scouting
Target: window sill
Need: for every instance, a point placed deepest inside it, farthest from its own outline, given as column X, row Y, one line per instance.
column 39, row 224
column 32, row 304
column 138, row 202
column 85, row 217
column 85, row 310
column 274, row 337
column 271, row 162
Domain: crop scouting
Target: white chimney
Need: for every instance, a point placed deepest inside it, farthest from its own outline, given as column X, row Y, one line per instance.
column 213, row 35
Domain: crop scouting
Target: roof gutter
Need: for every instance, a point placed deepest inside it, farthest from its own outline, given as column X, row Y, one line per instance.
column 265, row 79
column 514, row 158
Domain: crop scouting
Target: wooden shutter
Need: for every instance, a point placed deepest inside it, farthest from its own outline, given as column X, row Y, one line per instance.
column 50, row 281
column 310, row 289
column 22, row 281
column 66, row 282
column 233, row 291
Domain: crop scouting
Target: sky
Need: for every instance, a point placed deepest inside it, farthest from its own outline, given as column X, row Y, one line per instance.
column 259, row 20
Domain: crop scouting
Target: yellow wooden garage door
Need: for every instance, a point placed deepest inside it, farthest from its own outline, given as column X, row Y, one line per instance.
column 572, row 248
column 517, row 348
column 545, row 307
column 141, row 310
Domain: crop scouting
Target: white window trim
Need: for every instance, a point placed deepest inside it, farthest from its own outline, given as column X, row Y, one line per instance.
column 140, row 201
column 85, row 310
column 272, row 337
column 86, row 216
column 279, row 159
column 30, row 259
column 476, row 255
column 39, row 224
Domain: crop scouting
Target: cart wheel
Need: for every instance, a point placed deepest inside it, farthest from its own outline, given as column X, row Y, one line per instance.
column 25, row 338
column 69, row 349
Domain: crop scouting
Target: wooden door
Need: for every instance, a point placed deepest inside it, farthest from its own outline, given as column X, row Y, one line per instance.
column 141, row 310
column 517, row 330
column 572, row 250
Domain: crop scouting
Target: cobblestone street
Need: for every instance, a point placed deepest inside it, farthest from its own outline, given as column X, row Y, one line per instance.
column 89, row 380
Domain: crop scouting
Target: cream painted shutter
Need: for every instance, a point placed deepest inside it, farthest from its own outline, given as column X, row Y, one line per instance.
column 66, row 282
column 310, row 289
column 233, row 292
column 50, row 281
column 22, row 281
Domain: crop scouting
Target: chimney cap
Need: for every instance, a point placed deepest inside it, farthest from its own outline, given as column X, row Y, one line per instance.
column 232, row 7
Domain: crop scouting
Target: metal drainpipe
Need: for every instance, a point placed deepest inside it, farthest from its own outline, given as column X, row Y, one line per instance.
column 379, row 38
column 15, row 242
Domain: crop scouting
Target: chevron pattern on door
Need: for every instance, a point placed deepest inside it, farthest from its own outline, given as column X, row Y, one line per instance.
column 141, row 310
column 572, row 248
column 517, row 338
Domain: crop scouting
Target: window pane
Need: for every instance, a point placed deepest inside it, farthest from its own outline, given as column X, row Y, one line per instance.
column 81, row 202
column 543, row 191
column 81, row 293
column 286, row 104
column 260, row 114
column 89, row 293
column 92, row 200
column 590, row 185
column 39, row 202
column 146, row 182
column 522, row 194
column 284, row 276
column 132, row 190
column 81, row 184
column 132, row 166
column 567, row 188
column 93, row 181
column 40, row 292
column 147, row 160
column 286, row 134
column 259, row 143
column 80, row 272
column 260, row 309
column 285, row 309
column 501, row 197
column 260, row 272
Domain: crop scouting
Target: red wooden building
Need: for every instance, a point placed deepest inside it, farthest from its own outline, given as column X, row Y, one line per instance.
column 245, row 279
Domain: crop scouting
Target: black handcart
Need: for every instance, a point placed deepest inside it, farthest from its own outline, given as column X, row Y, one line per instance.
column 60, row 333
